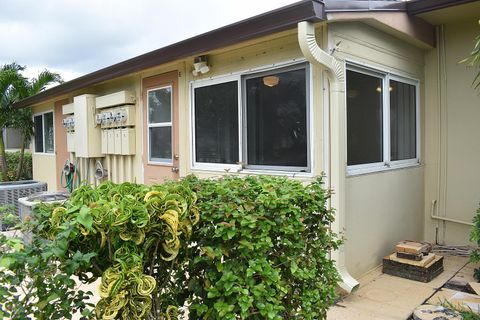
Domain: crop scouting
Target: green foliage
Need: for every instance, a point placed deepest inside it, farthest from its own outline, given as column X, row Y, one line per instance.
column 262, row 250
column 475, row 237
column 474, row 61
column 12, row 162
column 233, row 248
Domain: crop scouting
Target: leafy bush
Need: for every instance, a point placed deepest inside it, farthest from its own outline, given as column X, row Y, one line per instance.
column 233, row 248
column 262, row 250
column 12, row 162
column 475, row 237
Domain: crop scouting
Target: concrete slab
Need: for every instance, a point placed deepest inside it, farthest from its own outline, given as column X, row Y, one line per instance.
column 382, row 296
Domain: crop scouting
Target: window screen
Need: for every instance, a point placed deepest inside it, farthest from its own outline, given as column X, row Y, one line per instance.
column 48, row 132
column 38, row 131
column 276, row 108
column 216, row 123
column 364, row 118
column 403, row 130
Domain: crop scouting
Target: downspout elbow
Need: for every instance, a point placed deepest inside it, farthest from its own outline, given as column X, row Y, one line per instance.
column 336, row 75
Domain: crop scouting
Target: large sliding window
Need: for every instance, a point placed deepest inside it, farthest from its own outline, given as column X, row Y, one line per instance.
column 43, row 132
column 160, row 125
column 382, row 120
column 256, row 121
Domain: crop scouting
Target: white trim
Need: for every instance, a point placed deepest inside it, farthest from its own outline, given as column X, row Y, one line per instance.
column 387, row 163
column 43, row 133
column 240, row 77
column 160, row 161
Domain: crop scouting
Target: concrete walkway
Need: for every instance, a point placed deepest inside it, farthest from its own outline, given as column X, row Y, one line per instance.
column 385, row 297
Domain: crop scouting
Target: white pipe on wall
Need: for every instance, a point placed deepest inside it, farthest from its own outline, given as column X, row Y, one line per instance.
column 336, row 76
column 433, row 216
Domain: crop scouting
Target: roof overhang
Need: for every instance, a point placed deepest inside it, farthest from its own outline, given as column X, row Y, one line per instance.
column 261, row 25
column 421, row 6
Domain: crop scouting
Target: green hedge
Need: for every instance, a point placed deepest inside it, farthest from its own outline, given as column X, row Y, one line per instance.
column 232, row 248
column 12, row 162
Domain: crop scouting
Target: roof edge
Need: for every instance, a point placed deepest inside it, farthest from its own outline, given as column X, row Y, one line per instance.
column 267, row 23
column 421, row 6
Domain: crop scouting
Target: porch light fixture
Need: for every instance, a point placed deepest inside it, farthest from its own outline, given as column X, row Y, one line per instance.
column 200, row 65
column 271, row 81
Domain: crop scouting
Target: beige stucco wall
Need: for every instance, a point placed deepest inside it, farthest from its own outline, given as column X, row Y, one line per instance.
column 269, row 52
column 452, row 130
column 266, row 52
column 381, row 207
column 43, row 164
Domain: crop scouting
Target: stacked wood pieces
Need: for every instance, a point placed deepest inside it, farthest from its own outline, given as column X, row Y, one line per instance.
column 413, row 260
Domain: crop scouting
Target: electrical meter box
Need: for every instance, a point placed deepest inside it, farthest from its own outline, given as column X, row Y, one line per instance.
column 128, row 141
column 115, row 99
column 88, row 136
column 117, row 141
column 71, row 141
column 67, row 109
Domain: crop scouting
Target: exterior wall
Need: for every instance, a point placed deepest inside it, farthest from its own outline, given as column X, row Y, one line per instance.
column 386, row 206
column 43, row 164
column 261, row 55
column 452, row 155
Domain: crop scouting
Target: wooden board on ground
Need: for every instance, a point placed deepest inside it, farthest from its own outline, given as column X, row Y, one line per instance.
column 466, row 301
column 412, row 247
column 422, row 263
column 431, row 312
column 410, row 256
column 474, row 287
column 413, row 272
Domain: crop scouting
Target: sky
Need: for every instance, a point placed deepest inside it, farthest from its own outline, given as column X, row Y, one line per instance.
column 76, row 37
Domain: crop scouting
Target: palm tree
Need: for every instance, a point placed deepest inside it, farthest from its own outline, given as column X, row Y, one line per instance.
column 474, row 61
column 9, row 76
column 15, row 87
column 23, row 119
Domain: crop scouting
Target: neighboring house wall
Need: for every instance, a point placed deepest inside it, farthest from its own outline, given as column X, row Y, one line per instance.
column 452, row 131
column 386, row 206
column 12, row 139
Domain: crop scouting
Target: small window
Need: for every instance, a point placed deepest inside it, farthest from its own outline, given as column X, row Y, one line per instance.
column 44, row 133
column 364, row 118
column 160, row 125
column 382, row 120
column 403, row 120
column 216, row 123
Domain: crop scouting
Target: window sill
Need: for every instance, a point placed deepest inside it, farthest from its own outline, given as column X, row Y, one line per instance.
column 43, row 153
column 237, row 171
column 380, row 169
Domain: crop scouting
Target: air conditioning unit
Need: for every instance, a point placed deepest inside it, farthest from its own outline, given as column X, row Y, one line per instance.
column 26, row 204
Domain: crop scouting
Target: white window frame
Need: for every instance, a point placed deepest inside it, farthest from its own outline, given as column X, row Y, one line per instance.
column 159, row 161
column 387, row 163
column 216, row 166
column 42, row 114
column 240, row 77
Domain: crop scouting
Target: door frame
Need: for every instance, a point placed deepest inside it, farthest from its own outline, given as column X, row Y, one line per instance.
column 157, row 172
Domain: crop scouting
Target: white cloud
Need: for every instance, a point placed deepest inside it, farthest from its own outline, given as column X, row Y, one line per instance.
column 75, row 37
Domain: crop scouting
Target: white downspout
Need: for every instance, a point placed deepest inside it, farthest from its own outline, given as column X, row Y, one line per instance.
column 336, row 76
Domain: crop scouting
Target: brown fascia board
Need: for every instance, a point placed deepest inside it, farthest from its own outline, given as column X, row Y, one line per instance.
column 267, row 23
column 421, row 6
column 363, row 5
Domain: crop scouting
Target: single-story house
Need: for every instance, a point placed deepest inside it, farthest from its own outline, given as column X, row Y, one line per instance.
column 371, row 93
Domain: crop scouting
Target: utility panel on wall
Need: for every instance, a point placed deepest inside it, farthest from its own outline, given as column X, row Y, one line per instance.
column 116, row 118
column 87, row 133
